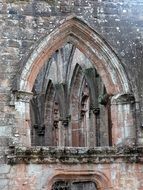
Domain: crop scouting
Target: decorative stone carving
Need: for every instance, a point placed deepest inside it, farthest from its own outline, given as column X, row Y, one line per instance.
column 103, row 99
column 20, row 96
column 41, row 130
column 123, row 99
column 65, row 122
column 96, row 111
column 52, row 155
column 24, row 96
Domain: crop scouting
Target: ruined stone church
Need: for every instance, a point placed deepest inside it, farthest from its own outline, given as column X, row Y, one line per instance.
column 71, row 95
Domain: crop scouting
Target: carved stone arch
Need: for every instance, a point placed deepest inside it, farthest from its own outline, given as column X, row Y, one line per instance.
column 100, row 179
column 77, row 71
column 90, row 43
column 103, row 59
column 46, row 80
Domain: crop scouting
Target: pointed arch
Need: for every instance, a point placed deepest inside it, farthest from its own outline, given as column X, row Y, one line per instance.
column 87, row 41
column 77, row 71
column 106, row 63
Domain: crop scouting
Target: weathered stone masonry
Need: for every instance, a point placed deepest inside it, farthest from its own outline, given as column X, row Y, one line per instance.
column 47, row 49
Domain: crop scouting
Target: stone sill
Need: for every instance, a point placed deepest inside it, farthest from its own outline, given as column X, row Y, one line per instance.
column 70, row 155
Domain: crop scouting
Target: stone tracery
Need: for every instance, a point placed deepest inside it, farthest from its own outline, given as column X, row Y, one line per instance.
column 107, row 65
column 67, row 112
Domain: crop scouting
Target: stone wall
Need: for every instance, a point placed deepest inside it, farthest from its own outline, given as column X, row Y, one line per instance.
column 23, row 25
column 122, row 176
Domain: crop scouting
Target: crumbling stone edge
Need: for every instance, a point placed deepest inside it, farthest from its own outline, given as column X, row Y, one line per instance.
column 72, row 155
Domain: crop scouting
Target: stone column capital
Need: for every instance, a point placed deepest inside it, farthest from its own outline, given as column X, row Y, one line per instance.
column 20, row 96
column 24, row 96
column 123, row 98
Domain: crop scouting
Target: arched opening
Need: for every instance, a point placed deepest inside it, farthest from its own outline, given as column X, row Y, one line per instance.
column 70, row 110
column 75, row 180
column 76, row 36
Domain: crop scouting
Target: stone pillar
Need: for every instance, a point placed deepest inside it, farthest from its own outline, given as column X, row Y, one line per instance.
column 21, row 134
column 123, row 119
column 139, row 124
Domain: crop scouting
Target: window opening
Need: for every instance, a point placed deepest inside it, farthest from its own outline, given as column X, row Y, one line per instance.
column 72, row 185
column 70, row 106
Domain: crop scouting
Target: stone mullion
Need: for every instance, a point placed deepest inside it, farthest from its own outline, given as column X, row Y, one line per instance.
column 90, row 75
column 139, row 124
column 108, row 109
column 70, row 62
column 75, row 91
column 34, row 122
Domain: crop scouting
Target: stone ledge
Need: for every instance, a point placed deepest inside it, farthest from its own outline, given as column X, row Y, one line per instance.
column 68, row 155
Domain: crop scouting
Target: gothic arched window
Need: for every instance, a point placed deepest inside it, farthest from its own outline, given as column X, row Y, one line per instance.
column 70, row 106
